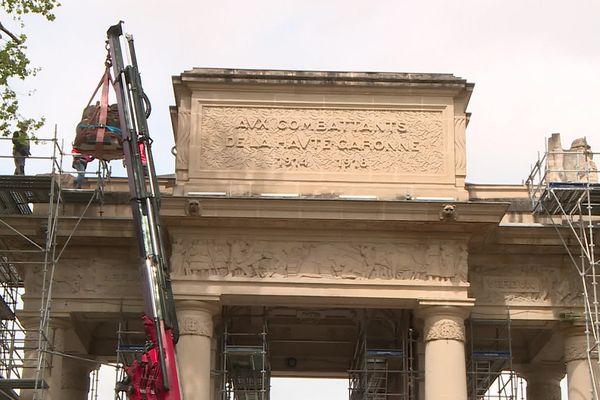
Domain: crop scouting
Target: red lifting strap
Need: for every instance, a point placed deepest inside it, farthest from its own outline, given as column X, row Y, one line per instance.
column 105, row 83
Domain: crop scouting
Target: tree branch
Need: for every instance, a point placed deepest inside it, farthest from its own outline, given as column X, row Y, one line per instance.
column 9, row 33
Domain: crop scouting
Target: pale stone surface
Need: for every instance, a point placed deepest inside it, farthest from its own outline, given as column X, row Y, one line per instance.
column 352, row 142
column 435, row 260
column 445, row 368
column 543, row 380
column 68, row 378
column 494, row 280
column 340, row 140
column 194, row 348
column 579, row 378
column 319, row 260
column 574, row 164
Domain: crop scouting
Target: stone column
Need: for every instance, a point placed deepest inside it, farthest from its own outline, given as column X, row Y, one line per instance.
column 579, row 379
column 194, row 348
column 68, row 378
column 543, row 380
column 444, row 337
column 31, row 326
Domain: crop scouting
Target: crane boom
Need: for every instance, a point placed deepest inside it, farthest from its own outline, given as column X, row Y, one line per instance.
column 154, row 376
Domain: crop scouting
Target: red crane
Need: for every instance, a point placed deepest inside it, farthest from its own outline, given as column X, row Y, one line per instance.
column 153, row 375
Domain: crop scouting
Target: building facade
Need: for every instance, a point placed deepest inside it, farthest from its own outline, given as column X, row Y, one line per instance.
column 320, row 226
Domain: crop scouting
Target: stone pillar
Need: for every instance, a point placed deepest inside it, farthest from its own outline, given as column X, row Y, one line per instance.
column 31, row 326
column 194, row 348
column 68, row 378
column 543, row 380
column 579, row 379
column 444, row 337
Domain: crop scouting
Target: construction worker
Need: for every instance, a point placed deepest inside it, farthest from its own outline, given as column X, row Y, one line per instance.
column 80, row 162
column 21, row 150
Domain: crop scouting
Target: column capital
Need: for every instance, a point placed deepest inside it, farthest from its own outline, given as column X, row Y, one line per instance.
column 196, row 317
column 442, row 322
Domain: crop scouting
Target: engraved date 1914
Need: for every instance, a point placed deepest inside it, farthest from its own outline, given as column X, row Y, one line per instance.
column 291, row 162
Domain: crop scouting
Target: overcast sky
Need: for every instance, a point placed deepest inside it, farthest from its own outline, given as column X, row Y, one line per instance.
column 535, row 64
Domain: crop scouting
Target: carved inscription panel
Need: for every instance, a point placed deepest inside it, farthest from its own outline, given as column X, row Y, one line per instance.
column 525, row 284
column 323, row 140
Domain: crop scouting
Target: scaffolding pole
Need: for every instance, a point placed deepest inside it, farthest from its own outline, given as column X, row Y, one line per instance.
column 246, row 371
column 27, row 354
column 490, row 372
column 569, row 199
column 384, row 363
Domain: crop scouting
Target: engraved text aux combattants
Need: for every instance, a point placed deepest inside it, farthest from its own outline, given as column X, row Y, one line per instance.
column 322, row 139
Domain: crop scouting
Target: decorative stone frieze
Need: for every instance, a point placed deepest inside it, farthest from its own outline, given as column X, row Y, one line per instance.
column 433, row 260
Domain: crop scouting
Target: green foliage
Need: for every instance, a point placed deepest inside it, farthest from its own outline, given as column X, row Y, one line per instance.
column 14, row 63
column 17, row 8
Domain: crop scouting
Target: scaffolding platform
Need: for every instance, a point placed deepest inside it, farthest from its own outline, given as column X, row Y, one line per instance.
column 491, row 355
column 566, row 197
column 490, row 373
column 18, row 191
column 563, row 187
column 385, row 353
column 246, row 368
column 384, row 365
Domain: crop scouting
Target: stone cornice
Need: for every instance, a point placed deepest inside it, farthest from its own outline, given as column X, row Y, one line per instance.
column 395, row 80
column 306, row 209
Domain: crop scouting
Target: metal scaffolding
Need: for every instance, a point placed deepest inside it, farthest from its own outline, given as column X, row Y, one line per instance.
column 490, row 374
column 245, row 367
column 26, row 355
column 384, row 363
column 565, row 194
column 130, row 346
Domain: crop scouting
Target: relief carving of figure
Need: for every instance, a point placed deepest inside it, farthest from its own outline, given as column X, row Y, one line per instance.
column 249, row 260
column 447, row 260
column 332, row 260
column 272, row 259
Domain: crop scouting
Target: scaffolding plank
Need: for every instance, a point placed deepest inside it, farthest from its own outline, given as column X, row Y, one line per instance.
column 131, row 348
column 22, row 384
column 567, row 195
column 385, row 353
column 491, row 355
column 245, row 349
column 17, row 191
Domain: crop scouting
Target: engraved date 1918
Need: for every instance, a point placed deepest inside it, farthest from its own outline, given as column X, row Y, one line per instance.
column 349, row 163
column 291, row 162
